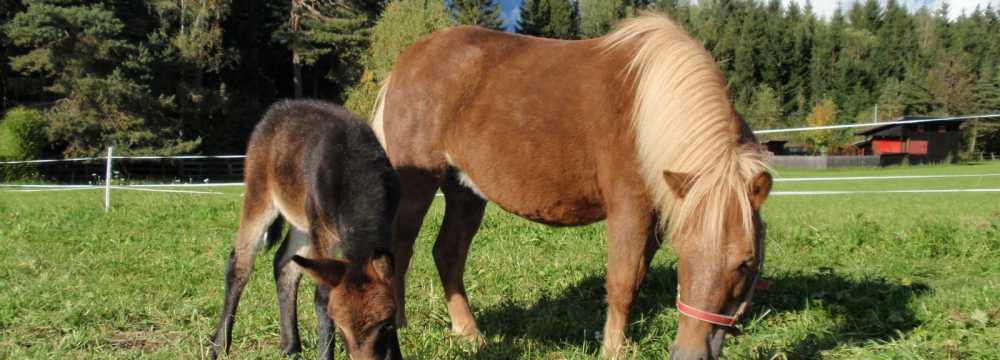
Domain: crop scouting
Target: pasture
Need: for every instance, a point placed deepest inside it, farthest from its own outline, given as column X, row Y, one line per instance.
column 852, row 276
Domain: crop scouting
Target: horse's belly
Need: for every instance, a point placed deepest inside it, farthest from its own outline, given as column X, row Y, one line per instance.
column 554, row 199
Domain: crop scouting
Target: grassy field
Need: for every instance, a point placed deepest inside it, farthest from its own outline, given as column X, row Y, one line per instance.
column 884, row 276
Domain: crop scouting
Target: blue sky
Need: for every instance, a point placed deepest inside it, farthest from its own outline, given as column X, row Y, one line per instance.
column 510, row 9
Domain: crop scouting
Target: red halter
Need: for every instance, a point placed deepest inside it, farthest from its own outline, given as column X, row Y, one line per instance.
column 718, row 319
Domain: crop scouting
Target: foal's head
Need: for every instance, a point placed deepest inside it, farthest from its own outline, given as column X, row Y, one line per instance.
column 361, row 303
column 719, row 243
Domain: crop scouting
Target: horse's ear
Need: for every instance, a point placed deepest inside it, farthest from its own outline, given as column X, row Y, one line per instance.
column 760, row 189
column 678, row 182
column 382, row 265
column 325, row 271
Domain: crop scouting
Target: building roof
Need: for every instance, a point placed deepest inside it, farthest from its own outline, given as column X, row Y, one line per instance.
column 897, row 129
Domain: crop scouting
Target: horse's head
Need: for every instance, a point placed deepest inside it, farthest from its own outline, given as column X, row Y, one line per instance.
column 361, row 303
column 720, row 250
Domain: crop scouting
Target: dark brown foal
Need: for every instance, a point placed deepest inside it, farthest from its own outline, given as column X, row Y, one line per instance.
column 322, row 170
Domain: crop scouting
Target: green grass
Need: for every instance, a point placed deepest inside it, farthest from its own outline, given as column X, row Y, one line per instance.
column 884, row 276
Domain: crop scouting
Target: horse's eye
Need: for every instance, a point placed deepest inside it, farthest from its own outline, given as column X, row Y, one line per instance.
column 389, row 327
column 746, row 266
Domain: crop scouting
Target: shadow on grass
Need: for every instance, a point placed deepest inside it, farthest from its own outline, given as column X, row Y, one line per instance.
column 870, row 309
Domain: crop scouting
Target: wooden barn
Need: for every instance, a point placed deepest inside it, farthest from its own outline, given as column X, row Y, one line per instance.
column 919, row 143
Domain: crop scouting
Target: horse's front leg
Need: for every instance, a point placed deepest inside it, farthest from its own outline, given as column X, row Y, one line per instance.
column 631, row 247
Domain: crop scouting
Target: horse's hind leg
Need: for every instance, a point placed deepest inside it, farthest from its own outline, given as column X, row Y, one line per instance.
column 286, row 278
column 258, row 214
column 463, row 214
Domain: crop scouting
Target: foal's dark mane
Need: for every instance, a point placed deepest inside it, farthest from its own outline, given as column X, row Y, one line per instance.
column 345, row 169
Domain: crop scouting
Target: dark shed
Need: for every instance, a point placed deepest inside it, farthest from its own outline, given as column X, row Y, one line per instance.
column 923, row 142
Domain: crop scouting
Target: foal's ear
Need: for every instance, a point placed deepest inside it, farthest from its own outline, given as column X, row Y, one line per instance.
column 325, row 271
column 382, row 265
column 678, row 182
column 760, row 188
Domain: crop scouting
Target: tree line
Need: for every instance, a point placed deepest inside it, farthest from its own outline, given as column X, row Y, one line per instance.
column 193, row 76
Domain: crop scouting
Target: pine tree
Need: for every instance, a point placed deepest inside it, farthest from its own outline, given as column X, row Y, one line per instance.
column 765, row 109
column 891, row 102
column 485, row 13
column 331, row 36
column 100, row 78
column 916, row 93
column 403, row 23
column 598, row 16
column 549, row 18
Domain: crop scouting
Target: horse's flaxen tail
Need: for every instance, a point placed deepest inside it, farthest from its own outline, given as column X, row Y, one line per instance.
column 378, row 112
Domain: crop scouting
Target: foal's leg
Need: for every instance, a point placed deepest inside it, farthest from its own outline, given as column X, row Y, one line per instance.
column 463, row 214
column 324, row 326
column 631, row 247
column 286, row 278
column 258, row 213
column 417, row 191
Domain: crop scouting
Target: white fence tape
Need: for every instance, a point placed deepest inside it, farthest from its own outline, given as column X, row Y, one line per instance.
column 900, row 177
column 849, row 126
column 102, row 158
column 908, row 191
column 150, row 188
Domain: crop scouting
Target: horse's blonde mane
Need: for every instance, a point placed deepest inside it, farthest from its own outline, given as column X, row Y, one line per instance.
column 684, row 121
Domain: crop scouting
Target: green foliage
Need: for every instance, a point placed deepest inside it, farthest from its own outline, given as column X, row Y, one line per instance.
column 597, row 17
column 556, row 19
column 824, row 141
column 403, row 23
column 114, row 111
column 765, row 109
column 67, row 41
column 485, row 13
column 23, row 134
column 213, row 66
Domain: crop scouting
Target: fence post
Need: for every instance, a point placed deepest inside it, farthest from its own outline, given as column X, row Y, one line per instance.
column 107, row 181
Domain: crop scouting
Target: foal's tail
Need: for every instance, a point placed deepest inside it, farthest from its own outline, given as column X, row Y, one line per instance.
column 378, row 112
column 274, row 232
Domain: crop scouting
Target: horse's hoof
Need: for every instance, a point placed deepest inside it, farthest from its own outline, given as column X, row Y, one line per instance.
column 621, row 350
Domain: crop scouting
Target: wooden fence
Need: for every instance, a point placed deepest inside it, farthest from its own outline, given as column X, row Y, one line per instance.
column 823, row 162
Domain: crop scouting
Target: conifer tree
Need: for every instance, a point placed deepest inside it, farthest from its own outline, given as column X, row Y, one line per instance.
column 549, row 18
column 765, row 109
column 485, row 13
column 403, row 23
column 99, row 77
column 598, row 16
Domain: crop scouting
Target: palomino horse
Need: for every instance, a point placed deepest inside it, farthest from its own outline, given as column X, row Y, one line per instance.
column 320, row 168
column 636, row 128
